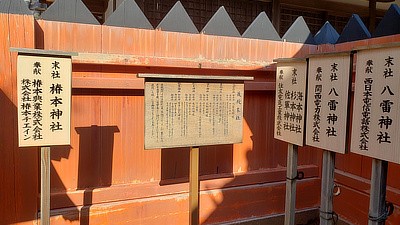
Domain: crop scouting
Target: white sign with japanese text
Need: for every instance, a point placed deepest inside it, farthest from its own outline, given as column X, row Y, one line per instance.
column 327, row 102
column 180, row 114
column 44, row 100
column 290, row 101
column 375, row 126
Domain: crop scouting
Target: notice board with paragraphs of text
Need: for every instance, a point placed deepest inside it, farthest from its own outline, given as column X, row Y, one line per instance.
column 192, row 110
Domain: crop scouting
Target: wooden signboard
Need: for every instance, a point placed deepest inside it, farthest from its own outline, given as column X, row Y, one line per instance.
column 192, row 110
column 44, row 100
column 329, row 86
column 375, row 126
column 290, row 101
column 44, row 108
column 290, row 106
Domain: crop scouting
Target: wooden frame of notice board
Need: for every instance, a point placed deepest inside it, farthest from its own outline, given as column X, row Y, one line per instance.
column 192, row 111
column 328, row 117
column 44, row 108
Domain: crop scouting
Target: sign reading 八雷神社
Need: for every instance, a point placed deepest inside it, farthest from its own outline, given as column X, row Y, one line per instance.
column 375, row 126
column 290, row 100
column 328, row 100
column 44, row 100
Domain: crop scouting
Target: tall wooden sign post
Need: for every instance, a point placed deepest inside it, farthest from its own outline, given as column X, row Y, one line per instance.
column 192, row 111
column 290, row 103
column 44, row 108
column 329, row 90
column 376, row 119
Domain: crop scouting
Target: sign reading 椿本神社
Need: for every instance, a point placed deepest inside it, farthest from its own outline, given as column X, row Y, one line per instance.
column 183, row 112
column 44, row 100
column 290, row 100
column 329, row 85
column 375, row 126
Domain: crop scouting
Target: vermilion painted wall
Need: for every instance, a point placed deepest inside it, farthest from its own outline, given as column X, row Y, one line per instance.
column 106, row 177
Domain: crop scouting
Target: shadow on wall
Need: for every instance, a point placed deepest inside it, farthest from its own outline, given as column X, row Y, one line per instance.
column 18, row 168
column 94, row 170
column 57, row 153
column 213, row 160
column 20, row 194
column 96, row 146
column 246, row 196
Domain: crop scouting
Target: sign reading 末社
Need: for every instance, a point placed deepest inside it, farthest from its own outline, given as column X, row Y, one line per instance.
column 375, row 126
column 328, row 98
column 44, row 100
column 290, row 101
column 179, row 114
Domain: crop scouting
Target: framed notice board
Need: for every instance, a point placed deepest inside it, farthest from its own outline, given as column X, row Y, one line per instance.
column 185, row 110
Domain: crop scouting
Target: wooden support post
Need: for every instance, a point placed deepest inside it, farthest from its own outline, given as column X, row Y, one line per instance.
column 377, row 201
column 327, row 186
column 372, row 15
column 45, row 186
column 194, row 186
column 114, row 5
column 276, row 14
column 291, row 175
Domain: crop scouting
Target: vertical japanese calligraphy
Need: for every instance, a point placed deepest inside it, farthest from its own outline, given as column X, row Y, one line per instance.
column 375, row 117
column 290, row 101
column 366, row 113
column 279, row 103
column 385, row 121
column 44, row 93
column 26, row 108
column 328, row 98
column 55, row 101
column 192, row 113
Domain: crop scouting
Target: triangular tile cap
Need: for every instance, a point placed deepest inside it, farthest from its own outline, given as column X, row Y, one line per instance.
column 74, row 11
column 177, row 20
column 14, row 7
column 354, row 30
column 221, row 24
column 261, row 28
column 326, row 35
column 390, row 23
column 128, row 14
column 299, row 32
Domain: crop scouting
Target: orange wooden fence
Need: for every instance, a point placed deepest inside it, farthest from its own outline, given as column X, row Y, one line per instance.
column 106, row 177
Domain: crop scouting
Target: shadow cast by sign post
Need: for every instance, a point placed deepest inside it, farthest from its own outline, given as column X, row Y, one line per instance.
column 214, row 160
column 96, row 146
